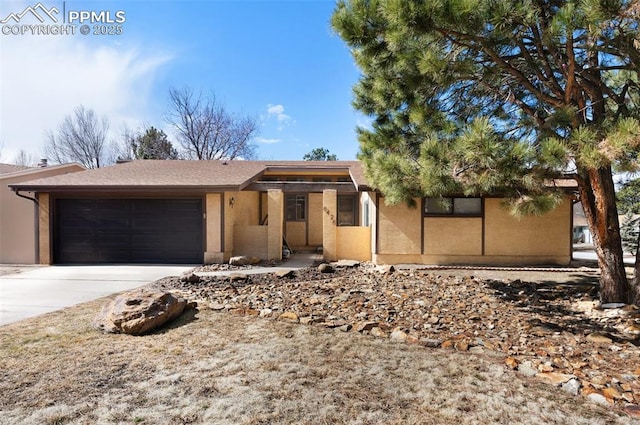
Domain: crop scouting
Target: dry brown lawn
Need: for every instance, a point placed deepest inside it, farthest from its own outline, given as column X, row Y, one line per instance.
column 219, row 368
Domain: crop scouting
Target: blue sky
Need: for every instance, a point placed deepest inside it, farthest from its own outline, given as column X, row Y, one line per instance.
column 276, row 60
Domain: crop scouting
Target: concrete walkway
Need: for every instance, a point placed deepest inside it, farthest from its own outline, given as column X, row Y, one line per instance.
column 296, row 261
column 37, row 290
column 33, row 290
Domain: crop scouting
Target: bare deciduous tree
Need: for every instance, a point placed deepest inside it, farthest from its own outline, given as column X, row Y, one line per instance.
column 206, row 130
column 81, row 137
column 25, row 159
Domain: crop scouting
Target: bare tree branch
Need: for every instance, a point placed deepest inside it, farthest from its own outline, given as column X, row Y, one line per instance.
column 206, row 130
column 81, row 137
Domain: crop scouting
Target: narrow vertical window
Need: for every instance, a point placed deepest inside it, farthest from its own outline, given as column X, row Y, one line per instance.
column 346, row 210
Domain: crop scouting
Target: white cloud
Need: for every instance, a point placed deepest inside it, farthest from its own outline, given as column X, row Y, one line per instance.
column 268, row 141
column 42, row 79
column 277, row 111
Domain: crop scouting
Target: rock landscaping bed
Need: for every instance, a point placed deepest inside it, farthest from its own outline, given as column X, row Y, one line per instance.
column 544, row 328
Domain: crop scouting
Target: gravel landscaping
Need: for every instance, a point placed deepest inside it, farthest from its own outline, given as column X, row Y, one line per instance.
column 354, row 346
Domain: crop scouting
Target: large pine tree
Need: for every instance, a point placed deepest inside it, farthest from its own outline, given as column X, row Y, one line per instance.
column 473, row 97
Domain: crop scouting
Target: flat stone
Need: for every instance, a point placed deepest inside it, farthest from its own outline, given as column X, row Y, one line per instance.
column 190, row 278
column 289, row 273
column 461, row 345
column 632, row 410
column 378, row 333
column 555, row 378
column 611, row 393
column 511, row 362
column 365, row 326
column 239, row 261
column 289, row 316
column 608, row 306
column 599, row 399
column 306, row 320
column 265, row 312
column 599, row 338
column 431, row 343
column 216, row 306
column 398, row 336
column 325, row 268
column 527, row 369
column 447, row 344
column 344, row 328
column 346, row 263
column 633, row 329
column 238, row 277
column 385, row 269
column 572, row 386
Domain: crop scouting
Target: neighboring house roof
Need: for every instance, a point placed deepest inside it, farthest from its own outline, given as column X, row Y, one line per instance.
column 22, row 172
column 183, row 175
column 12, row 168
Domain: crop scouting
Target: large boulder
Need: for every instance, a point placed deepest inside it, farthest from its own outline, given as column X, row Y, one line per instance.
column 139, row 311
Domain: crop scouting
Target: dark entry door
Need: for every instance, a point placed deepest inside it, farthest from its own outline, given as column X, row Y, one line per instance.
column 128, row 231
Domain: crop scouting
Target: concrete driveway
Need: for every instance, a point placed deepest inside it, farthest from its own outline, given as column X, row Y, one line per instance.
column 41, row 289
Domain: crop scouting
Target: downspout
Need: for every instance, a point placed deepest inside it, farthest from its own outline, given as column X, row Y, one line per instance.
column 36, row 222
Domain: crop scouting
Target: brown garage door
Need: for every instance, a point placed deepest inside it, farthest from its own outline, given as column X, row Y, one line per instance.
column 128, row 231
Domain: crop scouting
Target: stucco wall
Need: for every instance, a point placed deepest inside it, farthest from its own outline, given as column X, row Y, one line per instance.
column 329, row 214
column 214, row 252
column 44, row 229
column 497, row 239
column 296, row 233
column 315, row 220
column 240, row 209
column 399, row 229
column 353, row 243
column 19, row 218
column 547, row 235
column 449, row 235
column 250, row 241
column 275, row 207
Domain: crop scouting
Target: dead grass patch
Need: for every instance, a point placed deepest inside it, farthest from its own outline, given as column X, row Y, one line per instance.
column 218, row 368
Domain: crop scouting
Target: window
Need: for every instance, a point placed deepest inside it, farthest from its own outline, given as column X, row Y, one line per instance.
column 296, row 207
column 365, row 214
column 453, row 207
column 346, row 210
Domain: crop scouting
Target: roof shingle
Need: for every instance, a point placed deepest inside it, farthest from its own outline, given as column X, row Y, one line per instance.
column 161, row 174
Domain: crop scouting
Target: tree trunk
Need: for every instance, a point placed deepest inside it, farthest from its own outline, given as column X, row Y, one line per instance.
column 635, row 283
column 597, row 194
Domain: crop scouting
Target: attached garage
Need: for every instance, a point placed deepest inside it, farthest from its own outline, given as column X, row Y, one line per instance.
column 112, row 230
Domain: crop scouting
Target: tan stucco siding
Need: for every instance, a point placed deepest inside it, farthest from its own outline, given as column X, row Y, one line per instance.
column 329, row 221
column 547, row 236
column 19, row 217
column 314, row 231
column 353, row 243
column 213, row 232
column 399, row 229
column 452, row 235
column 44, row 233
column 251, row 241
column 17, row 228
column 275, row 207
column 296, row 233
column 240, row 208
